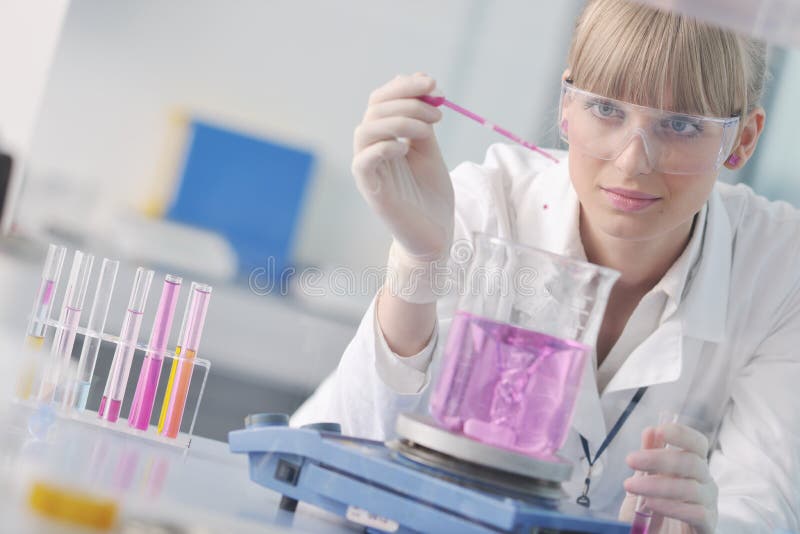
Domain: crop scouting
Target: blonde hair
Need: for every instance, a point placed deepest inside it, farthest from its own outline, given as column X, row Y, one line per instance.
column 639, row 54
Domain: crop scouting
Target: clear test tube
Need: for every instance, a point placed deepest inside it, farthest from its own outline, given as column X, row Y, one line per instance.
column 145, row 396
column 190, row 343
column 642, row 515
column 91, row 342
column 61, row 352
column 42, row 308
column 43, row 304
column 114, row 392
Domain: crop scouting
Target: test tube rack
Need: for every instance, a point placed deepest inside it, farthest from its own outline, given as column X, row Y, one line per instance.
column 196, row 368
column 200, row 369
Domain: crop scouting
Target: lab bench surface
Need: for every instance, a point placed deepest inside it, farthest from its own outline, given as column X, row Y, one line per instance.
column 158, row 488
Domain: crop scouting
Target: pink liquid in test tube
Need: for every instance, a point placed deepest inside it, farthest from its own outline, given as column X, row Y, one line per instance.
column 642, row 515
column 641, row 522
column 117, row 381
column 43, row 304
column 56, row 377
column 142, row 407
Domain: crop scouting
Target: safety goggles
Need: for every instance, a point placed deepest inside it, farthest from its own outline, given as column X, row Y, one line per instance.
column 674, row 143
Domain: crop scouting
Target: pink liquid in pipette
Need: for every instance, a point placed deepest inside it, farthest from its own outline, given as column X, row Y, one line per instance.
column 442, row 101
column 507, row 386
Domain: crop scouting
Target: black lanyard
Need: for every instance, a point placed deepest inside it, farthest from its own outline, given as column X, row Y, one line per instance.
column 583, row 499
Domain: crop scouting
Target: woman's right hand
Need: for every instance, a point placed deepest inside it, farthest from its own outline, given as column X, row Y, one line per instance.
column 399, row 168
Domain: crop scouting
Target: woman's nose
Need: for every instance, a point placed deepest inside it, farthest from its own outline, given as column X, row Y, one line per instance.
column 635, row 157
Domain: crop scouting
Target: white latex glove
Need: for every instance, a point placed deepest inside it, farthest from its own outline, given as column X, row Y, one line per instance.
column 400, row 172
column 678, row 488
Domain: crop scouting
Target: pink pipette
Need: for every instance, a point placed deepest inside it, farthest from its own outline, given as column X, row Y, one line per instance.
column 442, row 101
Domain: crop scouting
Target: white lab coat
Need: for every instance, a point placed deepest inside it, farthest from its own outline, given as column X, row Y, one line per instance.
column 728, row 355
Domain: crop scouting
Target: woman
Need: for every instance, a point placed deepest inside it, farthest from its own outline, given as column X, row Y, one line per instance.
column 705, row 315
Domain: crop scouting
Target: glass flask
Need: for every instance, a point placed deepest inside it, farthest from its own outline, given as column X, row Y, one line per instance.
column 526, row 322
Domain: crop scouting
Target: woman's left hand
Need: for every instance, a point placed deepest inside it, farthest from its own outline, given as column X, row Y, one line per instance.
column 679, row 489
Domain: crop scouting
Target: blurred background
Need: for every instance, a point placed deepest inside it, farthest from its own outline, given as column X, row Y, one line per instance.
column 213, row 140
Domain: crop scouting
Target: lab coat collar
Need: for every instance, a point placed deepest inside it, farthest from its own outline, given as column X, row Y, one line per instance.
column 675, row 280
column 705, row 302
column 657, row 360
column 701, row 314
column 588, row 418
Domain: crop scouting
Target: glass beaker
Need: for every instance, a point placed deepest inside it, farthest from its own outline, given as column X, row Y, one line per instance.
column 525, row 323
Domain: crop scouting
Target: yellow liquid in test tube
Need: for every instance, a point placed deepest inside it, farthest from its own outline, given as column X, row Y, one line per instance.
column 26, row 377
column 183, row 368
column 168, row 392
column 35, row 342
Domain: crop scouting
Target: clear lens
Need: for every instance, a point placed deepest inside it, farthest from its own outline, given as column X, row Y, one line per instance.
column 674, row 143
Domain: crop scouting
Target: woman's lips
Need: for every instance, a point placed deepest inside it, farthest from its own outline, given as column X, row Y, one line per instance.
column 629, row 200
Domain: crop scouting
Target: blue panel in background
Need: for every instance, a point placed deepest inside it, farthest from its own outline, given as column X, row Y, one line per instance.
column 248, row 189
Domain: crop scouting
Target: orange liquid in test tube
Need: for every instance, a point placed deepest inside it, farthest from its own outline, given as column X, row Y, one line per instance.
column 180, row 389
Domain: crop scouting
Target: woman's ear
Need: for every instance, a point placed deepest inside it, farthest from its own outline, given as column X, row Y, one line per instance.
column 746, row 145
column 566, row 74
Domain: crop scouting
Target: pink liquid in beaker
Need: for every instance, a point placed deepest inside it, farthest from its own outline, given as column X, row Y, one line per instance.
column 507, row 386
